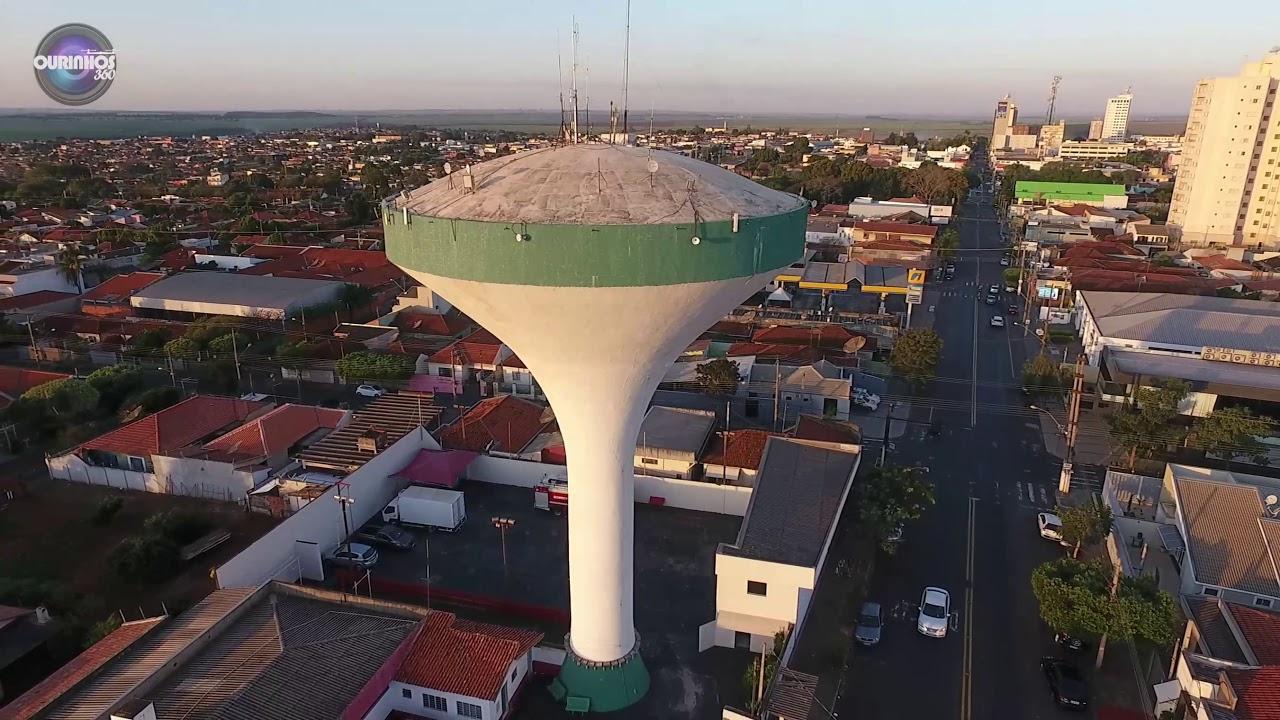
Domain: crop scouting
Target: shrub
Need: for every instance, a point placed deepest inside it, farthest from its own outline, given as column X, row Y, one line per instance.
column 154, row 400
column 224, row 344
column 177, row 526
column 182, row 348
column 107, row 509
column 30, row 592
column 365, row 365
column 69, row 396
column 101, row 629
column 148, row 558
column 115, row 383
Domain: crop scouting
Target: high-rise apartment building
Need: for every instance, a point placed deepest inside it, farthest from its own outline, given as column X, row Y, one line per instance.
column 1115, row 123
column 1228, row 186
column 1005, row 118
column 1095, row 129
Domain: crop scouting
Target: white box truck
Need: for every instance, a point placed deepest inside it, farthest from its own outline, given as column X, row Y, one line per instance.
column 427, row 507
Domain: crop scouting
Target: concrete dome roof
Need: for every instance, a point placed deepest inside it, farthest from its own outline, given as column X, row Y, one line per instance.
column 597, row 184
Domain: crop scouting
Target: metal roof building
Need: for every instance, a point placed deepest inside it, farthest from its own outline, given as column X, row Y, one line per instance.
column 217, row 293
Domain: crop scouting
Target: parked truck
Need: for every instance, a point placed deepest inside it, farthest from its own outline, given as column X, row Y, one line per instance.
column 427, row 507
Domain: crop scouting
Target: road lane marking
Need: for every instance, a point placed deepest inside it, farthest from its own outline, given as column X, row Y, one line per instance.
column 966, row 683
column 1044, row 495
column 1019, row 485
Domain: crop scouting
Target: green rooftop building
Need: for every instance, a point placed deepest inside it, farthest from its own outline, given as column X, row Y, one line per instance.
column 1098, row 194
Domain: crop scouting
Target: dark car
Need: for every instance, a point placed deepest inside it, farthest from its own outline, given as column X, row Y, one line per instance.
column 869, row 624
column 1070, row 642
column 387, row 536
column 991, row 299
column 1066, row 683
column 1012, row 310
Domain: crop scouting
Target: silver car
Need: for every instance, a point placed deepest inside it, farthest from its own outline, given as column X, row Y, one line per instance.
column 935, row 612
column 356, row 555
column 869, row 624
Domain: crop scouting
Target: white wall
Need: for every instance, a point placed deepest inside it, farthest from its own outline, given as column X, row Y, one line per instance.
column 28, row 282
column 661, row 466
column 394, row 699
column 320, row 522
column 173, row 476
column 687, row 494
column 691, row 495
column 783, row 597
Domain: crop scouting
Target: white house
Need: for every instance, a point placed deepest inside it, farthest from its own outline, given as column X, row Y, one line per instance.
column 671, row 442
column 765, row 579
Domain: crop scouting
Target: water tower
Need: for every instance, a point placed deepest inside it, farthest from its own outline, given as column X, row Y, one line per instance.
column 597, row 265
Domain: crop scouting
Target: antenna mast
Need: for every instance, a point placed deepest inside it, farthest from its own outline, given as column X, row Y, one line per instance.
column 1053, row 98
column 573, row 92
column 626, row 71
column 564, row 127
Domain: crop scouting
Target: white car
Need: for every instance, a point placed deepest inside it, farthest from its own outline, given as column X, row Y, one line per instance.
column 935, row 612
column 1050, row 526
column 864, row 399
column 997, row 321
column 372, row 391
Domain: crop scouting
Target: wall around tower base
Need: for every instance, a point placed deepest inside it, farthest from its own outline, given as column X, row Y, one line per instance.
column 606, row 686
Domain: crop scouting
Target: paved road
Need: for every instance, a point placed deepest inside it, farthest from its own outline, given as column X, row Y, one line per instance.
column 980, row 542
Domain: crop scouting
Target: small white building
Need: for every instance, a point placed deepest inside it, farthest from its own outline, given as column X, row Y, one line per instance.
column 765, row 580
column 671, row 442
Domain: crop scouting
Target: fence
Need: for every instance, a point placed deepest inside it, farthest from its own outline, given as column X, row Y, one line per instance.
column 671, row 492
column 422, row 591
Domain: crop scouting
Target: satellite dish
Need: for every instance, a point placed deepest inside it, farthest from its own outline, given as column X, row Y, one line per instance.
column 448, row 169
column 652, row 165
column 1273, row 506
column 695, row 240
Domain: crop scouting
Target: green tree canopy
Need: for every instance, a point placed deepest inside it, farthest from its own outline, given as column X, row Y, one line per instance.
column 718, row 376
column 891, row 496
column 115, row 383
column 1148, row 425
column 69, row 396
column 1085, row 525
column 1043, row 374
column 1232, row 432
column 1075, row 597
column 182, row 347
column 915, row 355
column 370, row 365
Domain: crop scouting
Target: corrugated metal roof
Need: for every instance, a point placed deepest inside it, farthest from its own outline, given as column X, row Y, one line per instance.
column 1223, row 535
column 112, row 685
column 1193, row 320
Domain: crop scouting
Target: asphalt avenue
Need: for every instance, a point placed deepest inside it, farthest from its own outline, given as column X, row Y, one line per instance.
column 980, row 541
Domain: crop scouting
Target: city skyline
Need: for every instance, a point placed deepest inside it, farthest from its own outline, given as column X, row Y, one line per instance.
column 713, row 58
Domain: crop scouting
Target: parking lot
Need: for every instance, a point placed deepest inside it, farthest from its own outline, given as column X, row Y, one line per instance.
column 674, row 557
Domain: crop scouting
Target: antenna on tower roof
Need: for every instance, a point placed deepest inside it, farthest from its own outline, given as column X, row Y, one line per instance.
column 1053, row 98
column 626, row 71
column 573, row 92
column 564, row 127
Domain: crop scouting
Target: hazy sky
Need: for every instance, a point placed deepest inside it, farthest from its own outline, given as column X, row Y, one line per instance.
column 942, row 57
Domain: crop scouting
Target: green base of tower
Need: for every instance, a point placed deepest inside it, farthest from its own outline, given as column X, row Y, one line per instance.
column 604, row 687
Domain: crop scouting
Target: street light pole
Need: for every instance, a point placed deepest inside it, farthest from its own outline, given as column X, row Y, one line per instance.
column 888, row 423
column 503, row 523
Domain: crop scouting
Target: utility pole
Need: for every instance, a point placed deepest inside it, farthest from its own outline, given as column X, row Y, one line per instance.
column 35, row 352
column 344, row 501
column 503, row 524
column 1073, row 427
column 888, row 423
column 235, row 355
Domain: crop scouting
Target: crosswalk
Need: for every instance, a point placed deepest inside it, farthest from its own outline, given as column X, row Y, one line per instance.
column 1043, row 495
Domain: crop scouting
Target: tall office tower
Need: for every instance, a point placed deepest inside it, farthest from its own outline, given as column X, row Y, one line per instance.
column 1115, row 124
column 1228, row 187
column 1095, row 129
column 1005, row 118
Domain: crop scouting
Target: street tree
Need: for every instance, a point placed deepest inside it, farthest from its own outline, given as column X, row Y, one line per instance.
column 1231, row 432
column 938, row 185
column 915, row 355
column 891, row 496
column 1086, row 599
column 947, row 241
column 370, row 365
column 1147, row 424
column 717, row 377
column 71, row 265
column 1043, row 374
column 1085, row 525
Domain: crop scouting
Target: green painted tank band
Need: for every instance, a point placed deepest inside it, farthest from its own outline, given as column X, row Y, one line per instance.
column 594, row 255
column 607, row 688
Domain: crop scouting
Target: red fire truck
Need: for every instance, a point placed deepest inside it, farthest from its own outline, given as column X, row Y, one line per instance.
column 551, row 494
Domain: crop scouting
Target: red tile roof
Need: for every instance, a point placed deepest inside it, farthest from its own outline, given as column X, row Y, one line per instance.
column 276, row 431
column 463, row 657
column 175, row 427
column 731, row 328
column 1126, row 281
column 33, row 299
column 1222, row 262
column 1257, row 693
column 120, row 287
column 745, row 448
column 1261, row 630
column 28, row 704
column 15, row 380
column 812, row 427
column 431, row 323
column 370, row 268
column 897, row 228
column 478, row 348
column 827, row 336
column 504, row 423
